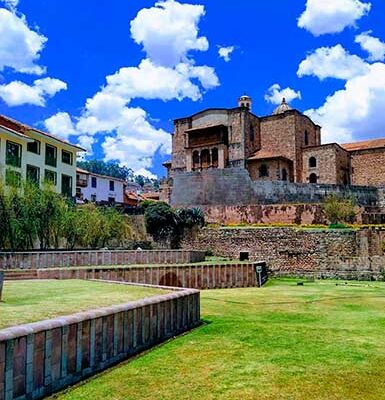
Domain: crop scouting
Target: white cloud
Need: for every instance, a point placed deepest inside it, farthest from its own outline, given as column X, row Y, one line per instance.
column 20, row 46
column 332, row 62
column 146, row 173
column 372, row 45
column 169, row 31
column 356, row 109
column 331, row 16
column 226, row 52
column 275, row 94
column 17, row 93
column 61, row 125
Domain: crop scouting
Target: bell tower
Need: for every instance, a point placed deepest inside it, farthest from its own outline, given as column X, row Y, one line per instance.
column 245, row 102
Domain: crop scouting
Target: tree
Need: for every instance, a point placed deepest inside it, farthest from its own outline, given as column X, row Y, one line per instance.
column 107, row 168
column 339, row 210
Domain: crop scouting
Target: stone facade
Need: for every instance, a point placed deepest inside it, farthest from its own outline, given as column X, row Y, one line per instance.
column 368, row 167
column 287, row 251
column 41, row 358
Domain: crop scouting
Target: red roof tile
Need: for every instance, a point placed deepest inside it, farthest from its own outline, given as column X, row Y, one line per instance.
column 364, row 145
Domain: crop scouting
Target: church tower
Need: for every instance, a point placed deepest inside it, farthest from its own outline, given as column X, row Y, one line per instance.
column 245, row 102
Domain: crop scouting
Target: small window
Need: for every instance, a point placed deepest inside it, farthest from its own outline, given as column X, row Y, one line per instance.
column 93, row 182
column 66, row 185
column 313, row 178
column 66, row 157
column 34, row 147
column 112, row 186
column 50, row 155
column 312, row 162
column 12, row 178
column 50, row 177
column 263, row 171
column 306, row 138
column 244, row 256
column 33, row 174
column 13, row 154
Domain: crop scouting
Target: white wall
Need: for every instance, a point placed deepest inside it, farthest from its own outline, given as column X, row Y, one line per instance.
column 102, row 190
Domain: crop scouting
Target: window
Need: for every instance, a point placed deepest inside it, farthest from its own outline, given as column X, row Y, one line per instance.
column 111, row 200
column 214, row 156
column 313, row 178
column 93, row 198
column 33, row 174
column 284, row 174
column 12, row 178
column 13, row 154
column 66, row 185
column 306, row 138
column 50, row 155
column 50, row 176
column 34, row 147
column 263, row 171
column 196, row 160
column 312, row 162
column 93, row 182
column 66, row 157
column 112, row 186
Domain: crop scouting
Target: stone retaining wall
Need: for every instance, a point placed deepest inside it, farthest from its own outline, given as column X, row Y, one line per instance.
column 1, row 283
column 332, row 253
column 39, row 359
column 214, row 276
column 52, row 259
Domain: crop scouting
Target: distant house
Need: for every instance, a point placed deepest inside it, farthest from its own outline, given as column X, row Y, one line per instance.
column 95, row 188
column 27, row 153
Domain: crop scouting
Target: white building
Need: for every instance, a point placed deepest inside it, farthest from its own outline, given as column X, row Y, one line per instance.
column 97, row 188
column 27, row 153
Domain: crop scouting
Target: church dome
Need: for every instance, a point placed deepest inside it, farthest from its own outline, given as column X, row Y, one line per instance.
column 282, row 108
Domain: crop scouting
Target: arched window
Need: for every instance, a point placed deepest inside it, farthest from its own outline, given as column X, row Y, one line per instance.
column 196, row 161
column 313, row 178
column 214, row 157
column 263, row 171
column 205, row 159
column 284, row 174
column 306, row 138
column 312, row 162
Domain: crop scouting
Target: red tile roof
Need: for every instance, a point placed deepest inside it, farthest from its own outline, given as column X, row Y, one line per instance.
column 264, row 155
column 364, row 145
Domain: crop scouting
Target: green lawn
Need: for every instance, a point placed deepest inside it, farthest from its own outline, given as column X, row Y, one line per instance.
column 31, row 301
column 316, row 342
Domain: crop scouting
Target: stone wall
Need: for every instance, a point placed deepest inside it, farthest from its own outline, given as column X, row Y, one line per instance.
column 39, row 359
column 26, row 260
column 1, row 284
column 344, row 253
column 233, row 187
column 215, row 276
column 368, row 167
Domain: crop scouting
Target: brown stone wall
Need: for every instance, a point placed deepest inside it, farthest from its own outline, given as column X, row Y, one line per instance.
column 274, row 166
column 236, row 137
column 41, row 358
column 333, row 164
column 368, row 167
column 33, row 260
column 329, row 253
column 179, row 144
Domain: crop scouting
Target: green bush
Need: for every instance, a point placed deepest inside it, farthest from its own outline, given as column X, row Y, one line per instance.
column 339, row 210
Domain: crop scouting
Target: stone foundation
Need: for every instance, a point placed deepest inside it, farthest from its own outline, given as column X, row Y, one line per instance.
column 329, row 253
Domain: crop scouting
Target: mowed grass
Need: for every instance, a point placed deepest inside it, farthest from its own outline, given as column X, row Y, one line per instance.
column 31, row 301
column 319, row 341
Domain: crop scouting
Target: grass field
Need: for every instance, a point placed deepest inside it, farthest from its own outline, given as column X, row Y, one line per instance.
column 316, row 342
column 31, row 301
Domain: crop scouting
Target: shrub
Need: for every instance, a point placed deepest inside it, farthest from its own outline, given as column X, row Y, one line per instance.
column 339, row 210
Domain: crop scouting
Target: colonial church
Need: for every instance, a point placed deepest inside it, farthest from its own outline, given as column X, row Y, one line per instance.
column 283, row 146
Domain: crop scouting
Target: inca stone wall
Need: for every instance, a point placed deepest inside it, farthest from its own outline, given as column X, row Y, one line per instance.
column 329, row 253
column 233, row 186
column 39, row 359
column 27, row 260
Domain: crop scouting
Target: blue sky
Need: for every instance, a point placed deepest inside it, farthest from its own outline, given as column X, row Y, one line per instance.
column 112, row 75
